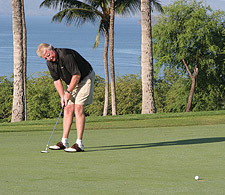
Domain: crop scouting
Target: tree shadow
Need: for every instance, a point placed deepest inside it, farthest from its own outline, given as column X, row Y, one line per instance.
column 157, row 144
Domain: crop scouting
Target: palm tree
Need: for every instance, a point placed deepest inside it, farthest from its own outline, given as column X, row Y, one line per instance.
column 25, row 59
column 106, row 68
column 148, row 103
column 78, row 12
column 18, row 89
column 111, row 50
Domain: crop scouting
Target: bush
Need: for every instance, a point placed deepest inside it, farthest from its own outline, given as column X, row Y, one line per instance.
column 129, row 94
column 43, row 100
column 171, row 94
column 96, row 108
column 6, row 99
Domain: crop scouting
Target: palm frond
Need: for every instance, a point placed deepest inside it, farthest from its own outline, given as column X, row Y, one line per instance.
column 157, row 5
column 100, row 31
column 60, row 4
column 77, row 16
column 51, row 3
column 127, row 7
column 65, row 4
column 98, row 3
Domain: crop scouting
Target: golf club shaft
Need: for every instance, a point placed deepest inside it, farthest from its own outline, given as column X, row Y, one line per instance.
column 54, row 128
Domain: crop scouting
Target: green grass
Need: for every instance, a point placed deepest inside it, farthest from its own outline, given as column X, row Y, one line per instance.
column 132, row 154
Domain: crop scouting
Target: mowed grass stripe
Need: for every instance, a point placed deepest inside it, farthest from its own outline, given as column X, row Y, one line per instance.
column 126, row 121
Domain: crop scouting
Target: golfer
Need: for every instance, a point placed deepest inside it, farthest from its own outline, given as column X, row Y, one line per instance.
column 69, row 66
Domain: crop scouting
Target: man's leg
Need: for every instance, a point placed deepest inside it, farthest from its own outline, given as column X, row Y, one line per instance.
column 67, row 122
column 80, row 120
column 80, row 123
column 67, row 119
column 83, row 97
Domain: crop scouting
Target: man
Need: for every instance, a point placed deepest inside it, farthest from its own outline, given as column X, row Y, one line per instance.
column 77, row 73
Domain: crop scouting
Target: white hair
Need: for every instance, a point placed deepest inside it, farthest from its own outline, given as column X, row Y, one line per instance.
column 42, row 48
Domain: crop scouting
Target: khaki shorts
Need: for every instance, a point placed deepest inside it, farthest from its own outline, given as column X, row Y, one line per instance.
column 83, row 92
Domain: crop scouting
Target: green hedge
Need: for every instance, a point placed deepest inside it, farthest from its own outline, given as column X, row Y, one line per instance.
column 171, row 94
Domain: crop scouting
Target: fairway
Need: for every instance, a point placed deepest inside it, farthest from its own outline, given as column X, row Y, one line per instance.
column 147, row 160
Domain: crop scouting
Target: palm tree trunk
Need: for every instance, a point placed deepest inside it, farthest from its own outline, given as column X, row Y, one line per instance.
column 111, row 50
column 25, row 59
column 106, row 47
column 192, row 90
column 18, row 106
column 148, row 103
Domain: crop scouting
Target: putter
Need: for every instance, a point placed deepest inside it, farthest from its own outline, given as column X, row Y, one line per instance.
column 46, row 149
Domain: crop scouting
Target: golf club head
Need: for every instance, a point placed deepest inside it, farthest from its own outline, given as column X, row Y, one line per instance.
column 44, row 151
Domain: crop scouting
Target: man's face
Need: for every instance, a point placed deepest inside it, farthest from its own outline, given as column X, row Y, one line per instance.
column 49, row 55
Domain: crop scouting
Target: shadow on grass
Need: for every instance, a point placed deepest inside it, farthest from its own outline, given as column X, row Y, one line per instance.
column 157, row 144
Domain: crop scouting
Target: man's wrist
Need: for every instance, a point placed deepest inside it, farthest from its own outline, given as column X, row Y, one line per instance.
column 69, row 92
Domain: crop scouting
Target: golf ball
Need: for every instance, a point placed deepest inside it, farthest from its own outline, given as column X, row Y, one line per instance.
column 196, row 178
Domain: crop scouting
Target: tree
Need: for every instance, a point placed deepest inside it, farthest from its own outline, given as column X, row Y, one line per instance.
column 25, row 59
column 79, row 12
column 170, row 89
column 18, row 90
column 111, row 50
column 106, row 68
column 148, row 103
column 189, row 36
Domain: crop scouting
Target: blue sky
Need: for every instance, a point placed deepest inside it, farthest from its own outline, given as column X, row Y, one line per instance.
column 32, row 6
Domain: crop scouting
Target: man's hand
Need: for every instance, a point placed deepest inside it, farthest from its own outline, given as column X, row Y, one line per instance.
column 65, row 99
column 62, row 101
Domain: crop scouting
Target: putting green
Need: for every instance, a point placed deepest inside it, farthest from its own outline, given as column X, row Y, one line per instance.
column 162, row 160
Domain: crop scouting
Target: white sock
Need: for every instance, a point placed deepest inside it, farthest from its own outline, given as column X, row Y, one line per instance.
column 79, row 142
column 64, row 141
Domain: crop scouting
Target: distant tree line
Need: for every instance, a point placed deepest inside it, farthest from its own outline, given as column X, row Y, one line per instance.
column 171, row 94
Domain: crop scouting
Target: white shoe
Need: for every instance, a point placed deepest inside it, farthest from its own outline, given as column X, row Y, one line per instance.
column 75, row 148
column 59, row 146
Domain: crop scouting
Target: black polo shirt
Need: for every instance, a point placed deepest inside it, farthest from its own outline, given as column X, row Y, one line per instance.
column 68, row 63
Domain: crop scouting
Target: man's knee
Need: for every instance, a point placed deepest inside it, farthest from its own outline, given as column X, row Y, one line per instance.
column 69, row 109
column 79, row 110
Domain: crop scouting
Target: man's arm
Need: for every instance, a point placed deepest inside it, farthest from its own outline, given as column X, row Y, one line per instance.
column 74, row 81
column 59, row 87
